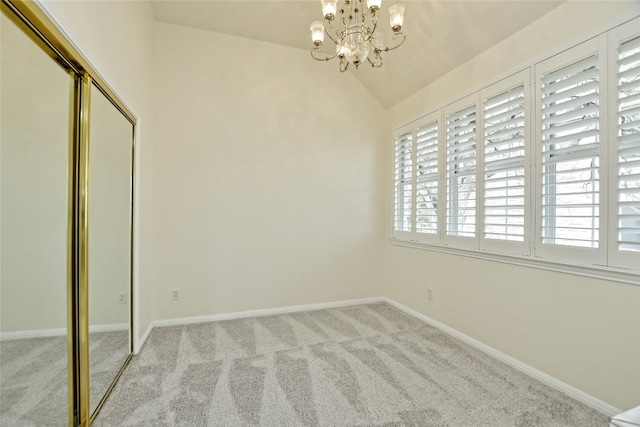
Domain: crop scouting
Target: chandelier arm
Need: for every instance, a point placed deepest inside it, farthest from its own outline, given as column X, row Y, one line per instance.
column 376, row 64
column 327, row 31
column 374, row 18
column 404, row 37
column 373, row 31
column 326, row 58
column 343, row 65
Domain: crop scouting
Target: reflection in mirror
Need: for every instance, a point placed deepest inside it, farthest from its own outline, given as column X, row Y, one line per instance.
column 110, row 192
column 34, row 161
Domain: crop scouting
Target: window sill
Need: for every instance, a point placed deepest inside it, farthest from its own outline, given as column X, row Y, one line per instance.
column 621, row 275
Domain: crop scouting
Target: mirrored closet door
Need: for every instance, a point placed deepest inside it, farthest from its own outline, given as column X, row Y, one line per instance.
column 66, row 181
column 110, row 195
column 34, row 203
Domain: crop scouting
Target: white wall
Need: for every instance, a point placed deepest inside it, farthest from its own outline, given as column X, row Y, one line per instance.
column 584, row 332
column 266, row 184
column 117, row 37
column 561, row 28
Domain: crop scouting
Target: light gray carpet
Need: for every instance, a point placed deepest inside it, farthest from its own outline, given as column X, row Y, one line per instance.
column 368, row 365
column 33, row 377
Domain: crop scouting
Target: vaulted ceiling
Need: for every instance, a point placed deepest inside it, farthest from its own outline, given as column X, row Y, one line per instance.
column 441, row 34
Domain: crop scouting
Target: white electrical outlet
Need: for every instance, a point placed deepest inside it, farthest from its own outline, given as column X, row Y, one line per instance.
column 122, row 298
column 430, row 294
column 175, row 294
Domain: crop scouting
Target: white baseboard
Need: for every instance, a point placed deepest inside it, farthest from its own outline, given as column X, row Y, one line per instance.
column 571, row 391
column 36, row 333
column 138, row 344
column 109, row 328
column 251, row 313
column 264, row 312
column 58, row 332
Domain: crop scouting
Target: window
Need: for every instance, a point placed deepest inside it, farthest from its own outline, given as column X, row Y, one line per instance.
column 506, row 140
column 542, row 170
column 568, row 133
column 626, row 133
column 461, row 169
column 403, row 183
column 417, row 180
column 629, row 147
column 427, row 178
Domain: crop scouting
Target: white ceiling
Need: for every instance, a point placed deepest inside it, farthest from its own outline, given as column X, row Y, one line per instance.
column 441, row 34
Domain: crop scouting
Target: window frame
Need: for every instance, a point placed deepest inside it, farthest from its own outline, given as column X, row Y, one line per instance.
column 617, row 37
column 419, row 236
column 471, row 101
column 597, row 256
column 523, row 78
column 401, row 232
column 603, row 262
column 412, row 129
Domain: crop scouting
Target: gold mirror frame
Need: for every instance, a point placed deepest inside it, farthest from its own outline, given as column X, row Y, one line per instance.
column 44, row 32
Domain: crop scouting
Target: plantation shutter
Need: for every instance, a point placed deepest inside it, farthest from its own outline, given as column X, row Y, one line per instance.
column 461, row 172
column 427, row 179
column 570, row 155
column 504, row 166
column 628, row 156
column 403, row 182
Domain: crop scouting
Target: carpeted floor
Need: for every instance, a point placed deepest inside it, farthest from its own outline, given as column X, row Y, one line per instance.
column 33, row 377
column 367, row 365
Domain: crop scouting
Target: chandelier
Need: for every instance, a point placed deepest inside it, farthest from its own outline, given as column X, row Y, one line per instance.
column 356, row 36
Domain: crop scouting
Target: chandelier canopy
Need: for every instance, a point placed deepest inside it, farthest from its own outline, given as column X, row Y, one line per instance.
column 355, row 34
